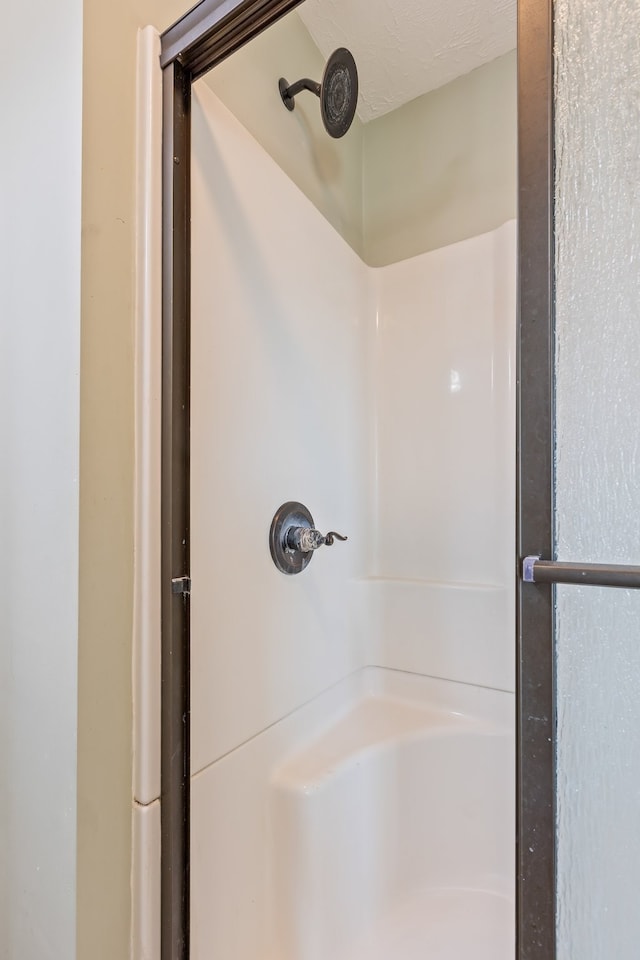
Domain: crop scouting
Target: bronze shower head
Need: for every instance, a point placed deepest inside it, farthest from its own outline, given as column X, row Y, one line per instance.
column 338, row 92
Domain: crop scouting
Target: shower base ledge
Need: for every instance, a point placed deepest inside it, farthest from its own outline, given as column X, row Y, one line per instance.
column 394, row 828
column 442, row 924
column 377, row 822
column 393, row 707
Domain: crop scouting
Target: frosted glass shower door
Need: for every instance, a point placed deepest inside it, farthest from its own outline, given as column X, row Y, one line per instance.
column 597, row 480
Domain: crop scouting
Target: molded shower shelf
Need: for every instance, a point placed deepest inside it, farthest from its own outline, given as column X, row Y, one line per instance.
column 373, row 856
column 374, row 822
column 373, row 724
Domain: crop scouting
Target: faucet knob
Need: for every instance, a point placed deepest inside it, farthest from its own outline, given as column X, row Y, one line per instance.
column 306, row 539
column 293, row 538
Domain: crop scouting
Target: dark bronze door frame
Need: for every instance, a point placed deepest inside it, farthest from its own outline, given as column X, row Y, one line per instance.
column 535, row 712
column 204, row 37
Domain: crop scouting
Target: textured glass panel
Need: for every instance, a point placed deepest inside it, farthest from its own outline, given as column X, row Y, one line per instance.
column 598, row 474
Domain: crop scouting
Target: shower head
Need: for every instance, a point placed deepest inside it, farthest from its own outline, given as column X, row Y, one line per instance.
column 338, row 92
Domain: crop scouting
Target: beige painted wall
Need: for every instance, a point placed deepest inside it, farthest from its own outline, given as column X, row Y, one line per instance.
column 40, row 216
column 443, row 167
column 328, row 171
column 106, row 471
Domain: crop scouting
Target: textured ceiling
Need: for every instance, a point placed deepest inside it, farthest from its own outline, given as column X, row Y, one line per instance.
column 403, row 48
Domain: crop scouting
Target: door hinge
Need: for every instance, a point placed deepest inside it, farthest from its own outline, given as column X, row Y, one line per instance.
column 181, row 585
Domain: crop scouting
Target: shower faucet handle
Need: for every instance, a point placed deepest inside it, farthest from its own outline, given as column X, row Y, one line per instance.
column 293, row 538
column 307, row 539
column 331, row 536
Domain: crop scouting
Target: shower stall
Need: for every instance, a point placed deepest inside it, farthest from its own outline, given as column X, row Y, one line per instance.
column 338, row 736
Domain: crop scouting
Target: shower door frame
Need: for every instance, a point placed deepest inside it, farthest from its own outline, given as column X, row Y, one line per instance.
column 201, row 39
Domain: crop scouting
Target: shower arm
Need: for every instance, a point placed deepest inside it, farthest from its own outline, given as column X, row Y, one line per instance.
column 304, row 84
column 290, row 92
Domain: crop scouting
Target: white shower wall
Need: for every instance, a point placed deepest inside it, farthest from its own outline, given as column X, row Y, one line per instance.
column 384, row 400
column 443, row 587
column 280, row 333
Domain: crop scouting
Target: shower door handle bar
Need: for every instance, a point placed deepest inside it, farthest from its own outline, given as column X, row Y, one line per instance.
column 536, row 570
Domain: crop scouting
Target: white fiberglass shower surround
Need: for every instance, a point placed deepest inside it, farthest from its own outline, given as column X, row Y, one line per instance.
column 344, row 801
column 351, row 742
